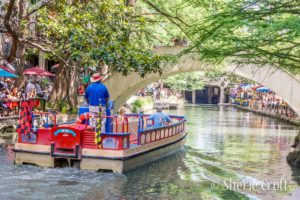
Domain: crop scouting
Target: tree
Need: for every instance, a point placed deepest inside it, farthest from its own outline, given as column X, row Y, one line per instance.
column 101, row 33
column 82, row 33
column 262, row 32
column 167, row 21
column 18, row 18
column 186, row 81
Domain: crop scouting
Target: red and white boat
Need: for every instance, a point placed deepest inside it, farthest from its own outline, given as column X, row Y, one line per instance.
column 124, row 146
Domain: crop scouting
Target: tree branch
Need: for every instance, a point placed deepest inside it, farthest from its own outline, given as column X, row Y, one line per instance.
column 170, row 17
column 42, row 5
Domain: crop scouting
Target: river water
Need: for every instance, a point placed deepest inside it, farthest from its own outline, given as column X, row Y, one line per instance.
column 229, row 154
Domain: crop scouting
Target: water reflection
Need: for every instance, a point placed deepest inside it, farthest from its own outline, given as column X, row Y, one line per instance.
column 223, row 144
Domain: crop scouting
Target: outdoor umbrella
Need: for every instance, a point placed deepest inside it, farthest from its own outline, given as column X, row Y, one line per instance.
column 55, row 66
column 6, row 74
column 37, row 71
column 263, row 89
column 257, row 86
column 6, row 68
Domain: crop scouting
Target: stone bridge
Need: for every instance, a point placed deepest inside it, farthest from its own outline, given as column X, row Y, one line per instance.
column 281, row 82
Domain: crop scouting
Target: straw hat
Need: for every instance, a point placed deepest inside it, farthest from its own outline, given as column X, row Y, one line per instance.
column 96, row 77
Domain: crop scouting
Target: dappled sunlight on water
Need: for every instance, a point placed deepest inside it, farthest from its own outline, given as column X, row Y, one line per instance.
column 223, row 144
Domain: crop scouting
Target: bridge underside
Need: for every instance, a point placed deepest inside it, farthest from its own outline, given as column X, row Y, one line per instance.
column 282, row 83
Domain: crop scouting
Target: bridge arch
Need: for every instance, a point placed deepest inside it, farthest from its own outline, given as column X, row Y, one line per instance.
column 281, row 82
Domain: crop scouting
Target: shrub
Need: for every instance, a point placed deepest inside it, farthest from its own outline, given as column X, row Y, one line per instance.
column 136, row 105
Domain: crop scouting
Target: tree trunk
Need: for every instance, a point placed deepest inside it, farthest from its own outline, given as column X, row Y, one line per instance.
column 60, row 87
column 73, row 85
column 65, row 84
column 20, row 61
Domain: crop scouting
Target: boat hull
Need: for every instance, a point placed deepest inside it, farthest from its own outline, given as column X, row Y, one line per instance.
column 102, row 159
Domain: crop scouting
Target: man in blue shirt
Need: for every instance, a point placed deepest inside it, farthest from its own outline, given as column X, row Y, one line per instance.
column 159, row 118
column 97, row 95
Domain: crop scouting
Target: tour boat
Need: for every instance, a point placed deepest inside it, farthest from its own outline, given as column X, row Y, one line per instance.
column 123, row 146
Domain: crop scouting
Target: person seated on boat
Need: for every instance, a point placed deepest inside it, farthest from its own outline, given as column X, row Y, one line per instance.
column 159, row 118
column 121, row 118
column 121, row 115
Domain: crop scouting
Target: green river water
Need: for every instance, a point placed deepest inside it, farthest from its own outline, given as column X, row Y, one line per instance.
column 229, row 154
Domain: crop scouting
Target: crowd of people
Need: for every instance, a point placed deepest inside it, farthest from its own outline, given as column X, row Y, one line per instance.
column 158, row 92
column 10, row 95
column 263, row 100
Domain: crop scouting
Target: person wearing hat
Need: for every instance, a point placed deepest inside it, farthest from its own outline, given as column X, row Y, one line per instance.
column 97, row 95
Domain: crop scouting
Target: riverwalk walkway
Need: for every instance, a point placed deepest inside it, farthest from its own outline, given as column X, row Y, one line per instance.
column 290, row 120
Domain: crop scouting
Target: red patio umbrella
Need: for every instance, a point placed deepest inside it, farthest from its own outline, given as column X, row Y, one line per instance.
column 7, row 69
column 37, row 71
column 56, row 65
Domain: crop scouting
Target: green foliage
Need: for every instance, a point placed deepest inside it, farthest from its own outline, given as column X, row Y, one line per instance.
column 61, row 106
column 30, row 52
column 168, row 20
column 265, row 32
column 65, row 108
column 136, row 105
column 141, row 103
column 186, row 81
column 99, row 33
column 214, row 74
column 74, row 110
column 250, row 32
column 45, row 82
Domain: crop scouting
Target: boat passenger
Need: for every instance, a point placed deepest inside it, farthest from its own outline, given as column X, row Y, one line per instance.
column 97, row 96
column 121, row 115
column 122, row 119
column 159, row 118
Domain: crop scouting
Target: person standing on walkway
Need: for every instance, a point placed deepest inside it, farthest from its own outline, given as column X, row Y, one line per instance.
column 97, row 97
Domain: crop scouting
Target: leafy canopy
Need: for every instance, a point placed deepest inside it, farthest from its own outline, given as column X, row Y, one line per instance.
column 265, row 32
column 98, row 32
column 186, row 81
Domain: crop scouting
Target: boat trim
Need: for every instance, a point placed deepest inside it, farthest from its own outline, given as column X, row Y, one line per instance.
column 33, row 152
column 136, row 154
column 107, row 158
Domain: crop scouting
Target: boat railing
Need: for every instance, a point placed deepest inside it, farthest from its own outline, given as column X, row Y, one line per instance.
column 121, row 141
column 46, row 114
column 141, row 118
column 157, row 133
column 114, row 121
column 115, row 141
